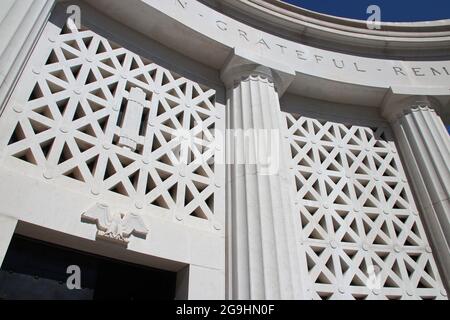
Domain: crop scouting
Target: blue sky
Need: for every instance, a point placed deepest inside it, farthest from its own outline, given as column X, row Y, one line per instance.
column 391, row 10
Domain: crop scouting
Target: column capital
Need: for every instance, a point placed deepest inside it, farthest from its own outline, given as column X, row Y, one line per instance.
column 241, row 64
column 397, row 103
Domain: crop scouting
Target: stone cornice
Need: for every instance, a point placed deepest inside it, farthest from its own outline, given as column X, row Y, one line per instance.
column 210, row 36
column 394, row 40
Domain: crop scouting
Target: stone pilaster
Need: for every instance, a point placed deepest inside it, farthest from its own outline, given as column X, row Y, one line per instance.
column 21, row 23
column 7, row 228
column 262, row 258
column 425, row 148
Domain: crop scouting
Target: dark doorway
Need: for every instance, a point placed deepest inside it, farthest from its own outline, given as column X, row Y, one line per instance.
column 37, row 270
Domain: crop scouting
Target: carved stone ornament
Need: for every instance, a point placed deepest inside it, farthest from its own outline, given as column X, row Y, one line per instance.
column 117, row 227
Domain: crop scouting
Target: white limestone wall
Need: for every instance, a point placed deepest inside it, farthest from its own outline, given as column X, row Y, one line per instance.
column 68, row 141
column 63, row 150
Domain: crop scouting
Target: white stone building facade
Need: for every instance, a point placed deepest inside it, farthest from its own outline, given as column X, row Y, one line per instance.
column 258, row 150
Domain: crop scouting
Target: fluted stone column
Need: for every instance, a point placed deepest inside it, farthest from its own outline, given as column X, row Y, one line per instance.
column 425, row 149
column 21, row 22
column 262, row 259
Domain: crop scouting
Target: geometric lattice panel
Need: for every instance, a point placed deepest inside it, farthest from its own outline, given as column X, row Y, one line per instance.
column 361, row 236
column 84, row 122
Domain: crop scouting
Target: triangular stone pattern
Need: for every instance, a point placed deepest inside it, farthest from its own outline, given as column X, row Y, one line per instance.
column 72, row 122
column 360, row 233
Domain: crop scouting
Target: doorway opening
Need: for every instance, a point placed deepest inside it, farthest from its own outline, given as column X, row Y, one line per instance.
column 34, row 269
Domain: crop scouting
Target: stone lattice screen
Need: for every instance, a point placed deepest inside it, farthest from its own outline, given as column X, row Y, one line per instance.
column 102, row 119
column 360, row 235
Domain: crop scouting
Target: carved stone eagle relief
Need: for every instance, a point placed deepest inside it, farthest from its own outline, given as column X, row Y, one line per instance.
column 117, row 227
